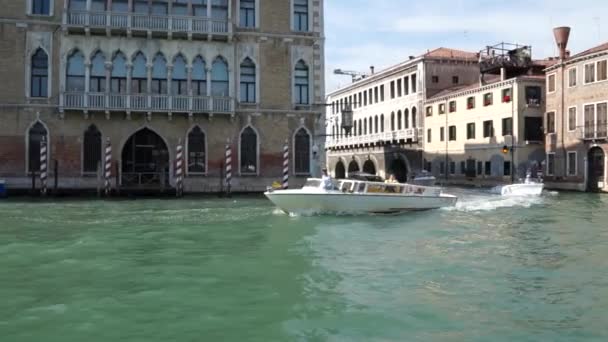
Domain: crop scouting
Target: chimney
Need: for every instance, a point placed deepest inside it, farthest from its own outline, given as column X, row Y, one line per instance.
column 561, row 38
column 371, row 68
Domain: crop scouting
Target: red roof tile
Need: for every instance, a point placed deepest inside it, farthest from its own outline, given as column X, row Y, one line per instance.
column 598, row 48
column 451, row 53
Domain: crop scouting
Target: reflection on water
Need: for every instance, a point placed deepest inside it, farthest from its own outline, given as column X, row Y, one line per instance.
column 492, row 268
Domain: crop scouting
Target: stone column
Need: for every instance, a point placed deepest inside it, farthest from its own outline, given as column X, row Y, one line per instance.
column 208, row 70
column 129, row 81
column 209, row 8
column 189, row 79
column 87, row 82
column 169, row 78
column 108, row 66
column 149, row 84
column 190, row 10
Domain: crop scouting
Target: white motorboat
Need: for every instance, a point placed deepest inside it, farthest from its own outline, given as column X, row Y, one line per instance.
column 528, row 188
column 352, row 196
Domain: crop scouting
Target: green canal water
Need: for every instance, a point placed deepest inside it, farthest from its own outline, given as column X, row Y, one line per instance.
column 238, row 270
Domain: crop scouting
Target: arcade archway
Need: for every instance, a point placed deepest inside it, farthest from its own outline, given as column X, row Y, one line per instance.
column 399, row 170
column 145, row 160
column 369, row 167
column 353, row 167
column 340, row 171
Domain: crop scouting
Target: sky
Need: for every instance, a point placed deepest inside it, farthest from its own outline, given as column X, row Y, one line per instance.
column 362, row 33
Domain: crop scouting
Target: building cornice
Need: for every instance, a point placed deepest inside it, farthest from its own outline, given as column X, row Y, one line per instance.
column 576, row 60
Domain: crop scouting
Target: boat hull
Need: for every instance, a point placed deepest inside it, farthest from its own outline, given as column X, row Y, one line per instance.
column 341, row 203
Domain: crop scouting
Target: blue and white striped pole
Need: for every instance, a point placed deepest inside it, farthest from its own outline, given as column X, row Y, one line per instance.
column 286, row 165
column 43, row 166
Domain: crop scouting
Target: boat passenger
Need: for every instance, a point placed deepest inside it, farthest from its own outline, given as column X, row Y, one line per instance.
column 391, row 179
column 326, row 181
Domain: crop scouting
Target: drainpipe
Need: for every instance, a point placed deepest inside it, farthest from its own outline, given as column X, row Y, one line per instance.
column 446, row 136
column 513, row 133
column 564, row 153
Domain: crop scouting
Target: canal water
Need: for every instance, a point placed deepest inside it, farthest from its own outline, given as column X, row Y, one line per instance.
column 490, row 269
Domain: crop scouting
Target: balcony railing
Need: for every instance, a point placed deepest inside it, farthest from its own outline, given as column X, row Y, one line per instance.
column 145, row 22
column 147, row 103
column 592, row 132
column 406, row 134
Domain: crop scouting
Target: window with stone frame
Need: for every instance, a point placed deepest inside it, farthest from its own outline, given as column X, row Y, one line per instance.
column 551, row 83
column 196, row 151
column 571, row 156
column 41, row 7
column 589, row 73
column 97, row 78
column 452, row 133
column 550, row 164
column 179, row 7
column 507, row 126
column 159, row 75
column 428, row 135
column 39, row 74
column 572, row 77
column 488, row 99
column 452, row 106
column 302, row 152
column 118, row 76
column 91, row 151
column 488, row 129
column 301, row 83
column 139, row 74
column 75, row 72
column 247, row 13
column 179, row 77
column 199, row 8
column 120, row 6
column 219, row 78
column 470, row 131
column 602, row 71
column 249, row 151
column 300, row 15
column 442, row 134
column 571, row 119
column 550, row 122
column 248, row 81
column 471, row 102
column 219, row 9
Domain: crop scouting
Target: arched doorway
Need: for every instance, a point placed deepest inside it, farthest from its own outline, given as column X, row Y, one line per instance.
column 596, row 169
column 340, row 171
column 399, row 170
column 369, row 167
column 145, row 161
column 353, row 167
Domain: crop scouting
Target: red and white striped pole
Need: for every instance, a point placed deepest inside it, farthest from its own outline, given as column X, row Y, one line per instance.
column 179, row 169
column 228, row 165
column 43, row 166
column 108, row 168
column 286, row 165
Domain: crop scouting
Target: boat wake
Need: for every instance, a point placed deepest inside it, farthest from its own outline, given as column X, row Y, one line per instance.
column 477, row 202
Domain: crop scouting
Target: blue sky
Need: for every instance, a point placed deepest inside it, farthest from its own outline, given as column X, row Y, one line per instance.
column 360, row 33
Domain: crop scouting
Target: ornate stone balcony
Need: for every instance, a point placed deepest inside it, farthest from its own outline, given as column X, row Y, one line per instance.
column 592, row 132
column 149, row 103
column 146, row 25
column 412, row 134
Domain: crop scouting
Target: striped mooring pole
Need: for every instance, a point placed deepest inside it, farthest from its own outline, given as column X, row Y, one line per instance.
column 286, row 165
column 179, row 170
column 228, row 166
column 43, row 166
column 108, row 168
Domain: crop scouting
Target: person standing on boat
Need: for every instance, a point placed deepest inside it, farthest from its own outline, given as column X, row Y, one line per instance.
column 326, row 181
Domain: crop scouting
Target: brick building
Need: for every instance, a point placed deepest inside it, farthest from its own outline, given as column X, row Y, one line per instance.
column 146, row 75
column 576, row 118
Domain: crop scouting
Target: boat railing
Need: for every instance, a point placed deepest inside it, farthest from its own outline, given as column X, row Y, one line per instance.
column 376, row 188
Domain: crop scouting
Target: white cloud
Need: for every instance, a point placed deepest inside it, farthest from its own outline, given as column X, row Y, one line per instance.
column 361, row 33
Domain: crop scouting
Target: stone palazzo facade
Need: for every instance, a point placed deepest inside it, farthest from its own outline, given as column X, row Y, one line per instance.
column 149, row 75
column 576, row 119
